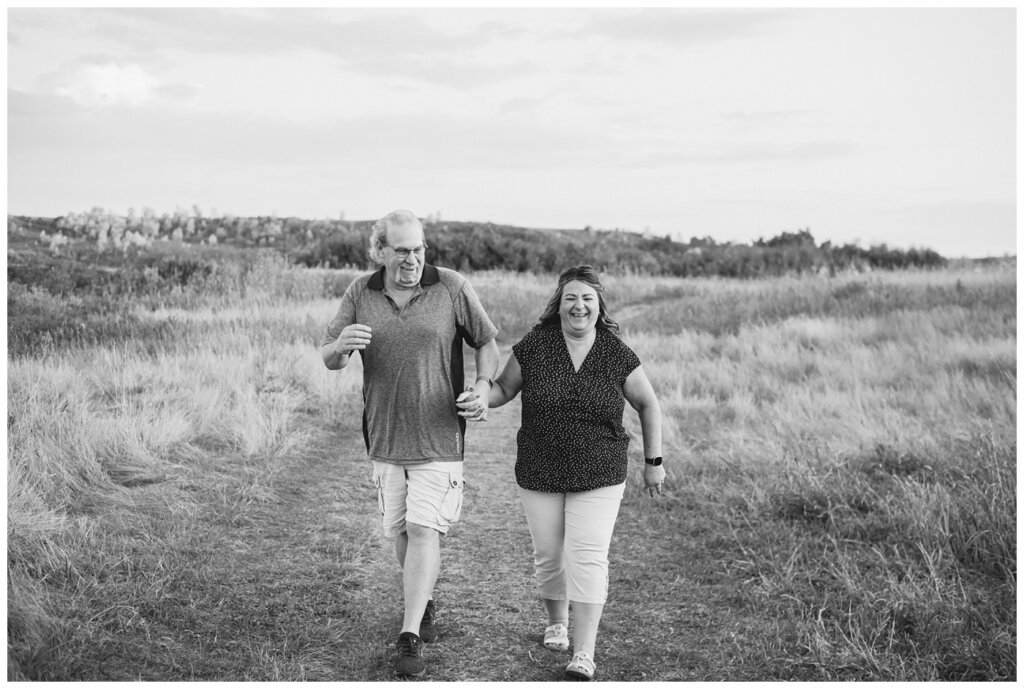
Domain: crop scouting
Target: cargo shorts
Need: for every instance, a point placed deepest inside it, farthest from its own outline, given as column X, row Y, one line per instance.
column 428, row 494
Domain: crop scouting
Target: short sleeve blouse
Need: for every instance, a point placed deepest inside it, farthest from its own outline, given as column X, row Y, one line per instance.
column 571, row 439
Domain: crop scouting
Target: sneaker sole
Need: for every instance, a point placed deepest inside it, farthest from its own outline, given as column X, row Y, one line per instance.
column 578, row 676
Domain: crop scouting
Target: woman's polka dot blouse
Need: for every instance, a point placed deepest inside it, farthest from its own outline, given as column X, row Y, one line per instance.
column 572, row 439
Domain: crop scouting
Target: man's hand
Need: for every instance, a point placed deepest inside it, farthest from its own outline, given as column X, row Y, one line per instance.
column 472, row 406
column 353, row 337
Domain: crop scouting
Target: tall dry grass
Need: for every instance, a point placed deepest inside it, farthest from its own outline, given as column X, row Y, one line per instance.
column 852, row 440
column 862, row 431
column 95, row 433
column 867, row 442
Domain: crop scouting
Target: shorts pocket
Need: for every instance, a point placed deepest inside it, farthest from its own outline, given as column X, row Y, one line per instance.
column 378, row 481
column 451, row 503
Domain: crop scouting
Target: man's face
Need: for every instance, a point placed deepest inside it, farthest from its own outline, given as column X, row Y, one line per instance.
column 404, row 271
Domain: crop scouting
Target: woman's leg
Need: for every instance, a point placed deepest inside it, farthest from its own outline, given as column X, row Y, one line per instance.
column 586, row 618
column 545, row 514
column 589, row 522
column 558, row 610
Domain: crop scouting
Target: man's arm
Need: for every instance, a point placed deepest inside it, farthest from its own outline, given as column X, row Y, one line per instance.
column 336, row 354
column 333, row 359
column 473, row 405
column 487, row 356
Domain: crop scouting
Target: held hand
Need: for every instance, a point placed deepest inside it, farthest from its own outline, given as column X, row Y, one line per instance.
column 353, row 337
column 654, row 476
column 471, row 406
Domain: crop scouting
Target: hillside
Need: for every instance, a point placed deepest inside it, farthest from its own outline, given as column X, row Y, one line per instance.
column 469, row 245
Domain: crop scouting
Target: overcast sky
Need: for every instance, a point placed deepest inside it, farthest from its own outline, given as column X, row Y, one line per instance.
column 869, row 125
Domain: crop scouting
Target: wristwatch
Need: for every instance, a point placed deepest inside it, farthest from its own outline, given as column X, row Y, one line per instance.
column 653, row 461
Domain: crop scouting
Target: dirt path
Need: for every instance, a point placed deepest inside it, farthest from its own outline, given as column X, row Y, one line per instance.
column 663, row 620
column 314, row 574
column 488, row 616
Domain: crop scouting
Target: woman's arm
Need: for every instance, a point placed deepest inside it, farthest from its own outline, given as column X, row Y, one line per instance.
column 507, row 385
column 640, row 394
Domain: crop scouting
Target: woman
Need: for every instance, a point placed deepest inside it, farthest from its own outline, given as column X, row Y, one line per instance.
column 574, row 373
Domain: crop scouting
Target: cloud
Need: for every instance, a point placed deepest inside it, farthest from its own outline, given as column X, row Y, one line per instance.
column 411, row 45
column 349, row 34
column 424, row 139
column 460, row 74
column 103, row 84
column 522, row 105
column 682, row 28
column 28, row 113
column 101, row 81
column 747, row 117
column 179, row 92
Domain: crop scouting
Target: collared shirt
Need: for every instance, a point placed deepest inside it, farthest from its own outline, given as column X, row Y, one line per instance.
column 413, row 366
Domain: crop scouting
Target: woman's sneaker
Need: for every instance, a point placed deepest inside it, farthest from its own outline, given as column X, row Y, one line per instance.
column 410, row 655
column 581, row 667
column 556, row 637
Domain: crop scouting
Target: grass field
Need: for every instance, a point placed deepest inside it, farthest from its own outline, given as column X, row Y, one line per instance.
column 188, row 499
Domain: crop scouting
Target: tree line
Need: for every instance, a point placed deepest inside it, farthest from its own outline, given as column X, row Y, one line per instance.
column 483, row 245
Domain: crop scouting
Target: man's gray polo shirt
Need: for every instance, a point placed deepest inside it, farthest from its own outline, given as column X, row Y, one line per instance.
column 413, row 366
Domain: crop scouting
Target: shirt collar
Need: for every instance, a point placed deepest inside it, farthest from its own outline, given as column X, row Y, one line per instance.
column 430, row 276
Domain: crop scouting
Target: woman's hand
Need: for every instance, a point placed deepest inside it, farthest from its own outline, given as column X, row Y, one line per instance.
column 654, row 476
column 471, row 405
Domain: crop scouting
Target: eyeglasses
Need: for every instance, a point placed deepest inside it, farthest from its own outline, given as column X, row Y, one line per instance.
column 404, row 253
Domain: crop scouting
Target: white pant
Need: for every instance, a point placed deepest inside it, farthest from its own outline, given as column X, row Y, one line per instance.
column 571, row 535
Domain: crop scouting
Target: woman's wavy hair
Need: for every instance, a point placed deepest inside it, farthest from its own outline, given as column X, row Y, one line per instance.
column 588, row 276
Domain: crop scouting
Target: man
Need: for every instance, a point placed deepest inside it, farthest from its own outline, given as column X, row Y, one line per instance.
column 408, row 320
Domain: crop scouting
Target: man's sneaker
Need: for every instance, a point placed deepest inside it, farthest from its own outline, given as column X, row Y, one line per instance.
column 428, row 632
column 581, row 667
column 410, row 656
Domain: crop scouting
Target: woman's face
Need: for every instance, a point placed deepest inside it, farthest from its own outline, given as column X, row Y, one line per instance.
column 579, row 308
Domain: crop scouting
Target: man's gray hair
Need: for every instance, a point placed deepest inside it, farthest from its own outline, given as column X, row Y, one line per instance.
column 379, row 235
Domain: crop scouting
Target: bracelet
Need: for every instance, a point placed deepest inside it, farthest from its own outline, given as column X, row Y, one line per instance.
column 489, row 381
column 653, row 461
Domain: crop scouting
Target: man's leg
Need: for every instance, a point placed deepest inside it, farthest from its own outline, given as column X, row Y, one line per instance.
column 433, row 504
column 393, row 486
column 419, row 573
column 401, row 545
column 421, row 562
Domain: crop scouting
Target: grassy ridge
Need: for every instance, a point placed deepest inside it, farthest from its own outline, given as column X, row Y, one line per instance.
column 848, row 445
column 871, row 461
